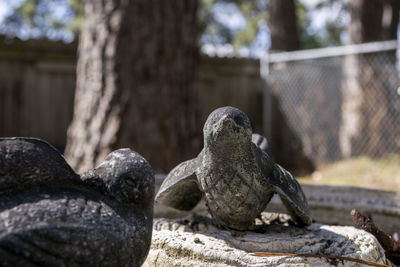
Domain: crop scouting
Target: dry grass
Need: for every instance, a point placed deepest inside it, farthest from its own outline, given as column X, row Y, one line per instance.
column 381, row 173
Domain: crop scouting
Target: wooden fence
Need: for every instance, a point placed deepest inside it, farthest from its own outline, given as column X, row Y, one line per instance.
column 37, row 81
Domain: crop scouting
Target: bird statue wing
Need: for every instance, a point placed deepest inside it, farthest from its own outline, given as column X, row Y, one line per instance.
column 286, row 186
column 180, row 189
column 291, row 194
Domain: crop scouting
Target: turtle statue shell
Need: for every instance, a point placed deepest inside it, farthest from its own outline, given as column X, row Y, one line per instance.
column 51, row 216
column 236, row 176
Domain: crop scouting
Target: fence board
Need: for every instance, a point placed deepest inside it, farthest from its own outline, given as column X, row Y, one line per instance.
column 37, row 80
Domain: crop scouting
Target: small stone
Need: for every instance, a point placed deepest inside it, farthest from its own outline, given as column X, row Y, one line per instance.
column 196, row 240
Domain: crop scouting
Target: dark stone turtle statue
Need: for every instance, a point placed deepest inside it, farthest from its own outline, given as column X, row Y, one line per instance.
column 50, row 216
column 236, row 177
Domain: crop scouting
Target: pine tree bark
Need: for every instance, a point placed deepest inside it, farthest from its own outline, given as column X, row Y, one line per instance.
column 135, row 83
column 282, row 23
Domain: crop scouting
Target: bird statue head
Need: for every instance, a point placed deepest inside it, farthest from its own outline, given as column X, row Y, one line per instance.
column 128, row 177
column 227, row 125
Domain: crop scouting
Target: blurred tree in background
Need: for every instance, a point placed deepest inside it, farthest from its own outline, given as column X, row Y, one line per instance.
column 135, row 83
column 371, row 20
column 282, row 22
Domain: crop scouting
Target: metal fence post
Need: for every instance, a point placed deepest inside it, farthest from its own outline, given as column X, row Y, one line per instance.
column 398, row 60
column 267, row 98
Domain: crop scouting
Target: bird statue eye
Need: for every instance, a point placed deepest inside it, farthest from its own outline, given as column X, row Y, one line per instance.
column 239, row 120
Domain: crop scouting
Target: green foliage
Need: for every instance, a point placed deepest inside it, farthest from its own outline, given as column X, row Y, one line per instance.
column 219, row 33
column 310, row 38
column 27, row 11
column 334, row 25
column 76, row 25
column 246, row 36
column 334, row 31
column 212, row 30
column 38, row 17
column 254, row 12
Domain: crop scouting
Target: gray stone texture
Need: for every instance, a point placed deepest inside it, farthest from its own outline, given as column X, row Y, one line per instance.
column 50, row 216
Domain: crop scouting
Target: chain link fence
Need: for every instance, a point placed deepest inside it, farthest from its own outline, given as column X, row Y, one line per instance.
column 340, row 102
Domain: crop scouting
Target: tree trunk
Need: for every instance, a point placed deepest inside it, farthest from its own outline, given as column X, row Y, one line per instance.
column 390, row 19
column 373, row 20
column 135, row 83
column 366, row 21
column 286, row 145
column 368, row 123
column 282, row 23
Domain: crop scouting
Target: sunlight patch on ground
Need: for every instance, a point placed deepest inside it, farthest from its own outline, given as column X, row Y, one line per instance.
column 381, row 173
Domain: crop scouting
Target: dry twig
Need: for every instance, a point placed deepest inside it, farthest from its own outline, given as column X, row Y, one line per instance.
column 391, row 247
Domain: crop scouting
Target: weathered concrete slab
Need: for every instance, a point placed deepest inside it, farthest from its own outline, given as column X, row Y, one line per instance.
column 194, row 241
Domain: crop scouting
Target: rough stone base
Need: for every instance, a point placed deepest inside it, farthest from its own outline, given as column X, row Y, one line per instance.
column 194, row 241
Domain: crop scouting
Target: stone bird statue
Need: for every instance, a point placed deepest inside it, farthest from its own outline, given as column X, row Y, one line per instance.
column 51, row 216
column 236, row 177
